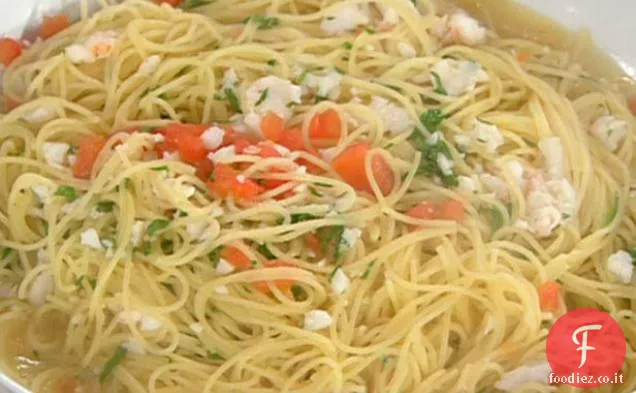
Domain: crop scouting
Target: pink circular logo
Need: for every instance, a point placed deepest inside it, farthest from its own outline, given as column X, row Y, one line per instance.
column 586, row 348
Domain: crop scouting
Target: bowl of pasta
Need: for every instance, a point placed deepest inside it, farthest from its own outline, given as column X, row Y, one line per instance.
column 344, row 196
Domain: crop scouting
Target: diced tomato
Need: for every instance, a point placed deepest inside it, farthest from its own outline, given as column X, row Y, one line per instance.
column 272, row 127
column 225, row 182
column 293, row 139
column 187, row 140
column 51, row 25
column 66, row 385
column 451, row 210
column 173, row 3
column 283, row 285
column 428, row 210
column 10, row 50
column 241, row 144
column 325, row 128
column 270, row 184
column 89, row 148
column 523, row 56
column 425, row 210
column 11, row 103
column 204, row 169
column 231, row 137
column 632, row 104
column 268, row 151
column 350, row 165
column 236, row 257
column 550, row 296
column 312, row 240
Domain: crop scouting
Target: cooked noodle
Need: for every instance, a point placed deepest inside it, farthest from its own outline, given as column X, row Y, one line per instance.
column 449, row 307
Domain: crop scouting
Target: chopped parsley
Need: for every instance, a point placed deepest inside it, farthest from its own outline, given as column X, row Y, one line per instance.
column 347, row 45
column 613, row 213
column 68, row 192
column 314, row 192
column 264, row 22
column 190, row 4
column 113, row 362
column 233, row 99
column 91, row 281
column 262, row 97
column 145, row 248
column 272, row 62
column 439, row 86
column 263, row 249
column 167, row 246
column 163, row 96
column 302, row 77
column 160, row 168
column 299, row 293
column 632, row 252
column 156, row 226
column 330, row 239
column 6, row 252
column 215, row 255
column 432, row 119
column 340, row 70
column 215, row 356
column 320, row 98
column 428, row 163
column 495, row 217
column 369, row 30
column 148, row 129
column 366, row 273
column 300, row 217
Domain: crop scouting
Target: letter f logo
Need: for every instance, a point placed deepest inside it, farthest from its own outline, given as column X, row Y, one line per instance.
column 584, row 347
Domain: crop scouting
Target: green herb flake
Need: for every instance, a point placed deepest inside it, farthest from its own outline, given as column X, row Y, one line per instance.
column 347, row 45
column 428, row 163
column 105, row 206
column 302, row 77
column 264, row 22
column 145, row 248
column 330, row 239
column 495, row 217
column 366, row 273
column 160, row 168
column 6, row 252
column 263, row 249
column 315, row 192
column 169, row 287
column 262, row 97
column 320, row 98
column 632, row 252
column 611, row 216
column 369, row 30
column 91, row 281
column 272, row 62
column 298, row 293
column 113, row 362
column 300, row 217
column 432, row 119
column 439, row 86
column 215, row 255
column 156, row 226
column 215, row 356
column 68, row 192
column 167, row 246
column 233, row 99
column 128, row 183
column 190, row 4
column 163, row 96
column 333, row 272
